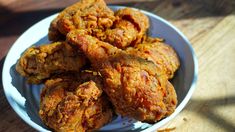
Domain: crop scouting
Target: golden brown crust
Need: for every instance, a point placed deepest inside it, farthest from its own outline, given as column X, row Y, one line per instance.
column 132, row 69
column 54, row 34
column 135, row 86
column 92, row 15
column 170, row 99
column 39, row 63
column 72, row 103
column 129, row 28
column 158, row 52
column 140, row 21
column 121, row 36
column 88, row 44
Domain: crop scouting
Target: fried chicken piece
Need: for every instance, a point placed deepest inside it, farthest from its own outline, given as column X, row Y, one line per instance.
column 39, row 63
column 70, row 103
column 54, row 34
column 136, row 87
column 92, row 15
column 158, row 52
column 171, row 99
column 128, row 29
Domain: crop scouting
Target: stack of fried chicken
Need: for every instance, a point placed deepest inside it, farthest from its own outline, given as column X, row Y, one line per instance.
column 100, row 63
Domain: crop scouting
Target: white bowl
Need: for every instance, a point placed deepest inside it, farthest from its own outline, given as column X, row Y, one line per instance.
column 24, row 98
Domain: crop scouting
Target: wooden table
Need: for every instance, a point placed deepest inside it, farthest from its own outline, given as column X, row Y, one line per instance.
column 210, row 26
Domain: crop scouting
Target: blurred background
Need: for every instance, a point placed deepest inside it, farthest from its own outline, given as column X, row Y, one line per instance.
column 208, row 24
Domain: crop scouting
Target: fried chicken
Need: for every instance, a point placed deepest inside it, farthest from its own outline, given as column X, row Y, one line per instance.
column 54, row 34
column 130, row 71
column 74, row 103
column 136, row 87
column 39, row 63
column 158, row 52
column 170, row 99
column 129, row 28
column 92, row 15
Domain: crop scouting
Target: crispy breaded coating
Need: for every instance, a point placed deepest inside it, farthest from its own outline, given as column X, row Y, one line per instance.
column 128, row 29
column 100, row 62
column 92, row 15
column 171, row 99
column 160, row 53
column 70, row 103
column 90, row 43
column 39, row 63
column 54, row 34
column 136, row 87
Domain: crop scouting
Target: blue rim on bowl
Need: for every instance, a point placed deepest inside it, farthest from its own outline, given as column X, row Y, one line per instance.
column 17, row 102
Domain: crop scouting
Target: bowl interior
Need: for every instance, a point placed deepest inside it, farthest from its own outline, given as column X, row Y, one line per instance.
column 24, row 98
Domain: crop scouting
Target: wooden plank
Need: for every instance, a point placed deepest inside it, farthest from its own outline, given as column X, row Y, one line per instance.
column 213, row 101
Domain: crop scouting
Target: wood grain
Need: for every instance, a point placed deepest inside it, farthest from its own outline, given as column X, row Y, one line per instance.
column 209, row 25
column 213, row 103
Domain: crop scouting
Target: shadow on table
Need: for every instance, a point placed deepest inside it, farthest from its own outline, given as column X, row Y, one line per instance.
column 16, row 23
column 1, row 66
column 7, row 115
column 207, row 110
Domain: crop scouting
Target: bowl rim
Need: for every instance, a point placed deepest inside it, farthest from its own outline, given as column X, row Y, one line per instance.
column 186, row 99
column 154, row 126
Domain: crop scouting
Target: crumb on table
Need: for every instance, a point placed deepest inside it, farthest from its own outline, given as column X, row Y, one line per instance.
column 167, row 129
